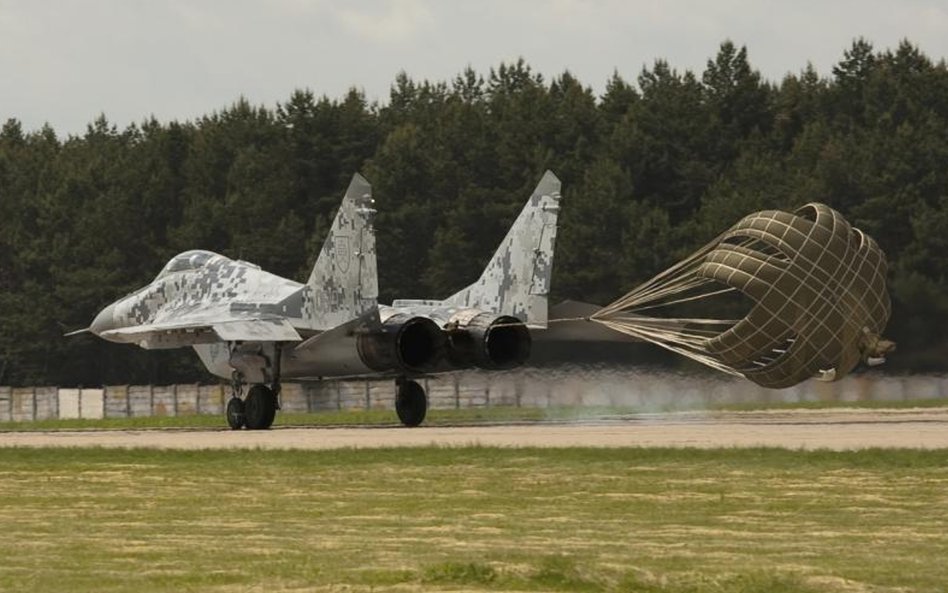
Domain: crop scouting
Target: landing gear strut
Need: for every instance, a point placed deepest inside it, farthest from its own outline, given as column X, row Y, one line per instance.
column 235, row 406
column 411, row 403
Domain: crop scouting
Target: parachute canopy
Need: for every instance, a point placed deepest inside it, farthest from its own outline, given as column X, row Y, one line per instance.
column 817, row 290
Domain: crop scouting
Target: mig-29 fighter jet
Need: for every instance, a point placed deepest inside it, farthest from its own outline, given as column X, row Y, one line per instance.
column 256, row 328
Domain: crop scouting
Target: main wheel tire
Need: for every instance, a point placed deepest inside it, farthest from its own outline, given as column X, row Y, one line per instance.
column 259, row 408
column 411, row 403
column 235, row 413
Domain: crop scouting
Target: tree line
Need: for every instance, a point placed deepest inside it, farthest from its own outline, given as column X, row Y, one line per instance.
column 651, row 169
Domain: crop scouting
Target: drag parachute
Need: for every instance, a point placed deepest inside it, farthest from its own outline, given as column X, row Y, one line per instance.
column 817, row 292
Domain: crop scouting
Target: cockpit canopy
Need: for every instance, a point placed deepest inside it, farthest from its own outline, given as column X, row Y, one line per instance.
column 189, row 260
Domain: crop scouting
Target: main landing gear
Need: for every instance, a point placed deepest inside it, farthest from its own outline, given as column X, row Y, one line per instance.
column 256, row 411
column 411, row 403
column 259, row 408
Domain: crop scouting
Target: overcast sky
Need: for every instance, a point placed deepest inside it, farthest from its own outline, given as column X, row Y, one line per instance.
column 66, row 61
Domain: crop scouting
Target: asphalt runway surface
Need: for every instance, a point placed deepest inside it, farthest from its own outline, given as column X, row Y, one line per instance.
column 837, row 429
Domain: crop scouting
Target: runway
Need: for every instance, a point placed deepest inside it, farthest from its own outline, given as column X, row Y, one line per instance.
column 836, row 429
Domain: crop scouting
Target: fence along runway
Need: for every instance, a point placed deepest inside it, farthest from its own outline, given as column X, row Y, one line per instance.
column 836, row 429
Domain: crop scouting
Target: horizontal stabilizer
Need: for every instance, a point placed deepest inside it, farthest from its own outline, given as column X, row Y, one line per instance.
column 77, row 332
column 367, row 321
column 570, row 308
column 569, row 323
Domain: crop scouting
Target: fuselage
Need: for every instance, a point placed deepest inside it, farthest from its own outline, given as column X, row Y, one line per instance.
column 195, row 290
column 200, row 295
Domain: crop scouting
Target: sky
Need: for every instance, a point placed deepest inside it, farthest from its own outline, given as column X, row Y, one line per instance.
column 64, row 62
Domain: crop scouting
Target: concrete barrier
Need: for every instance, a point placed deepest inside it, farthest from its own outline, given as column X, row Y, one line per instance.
column 6, row 404
column 211, row 399
column 117, row 402
column 76, row 403
column 139, row 400
column 92, row 403
column 632, row 388
column 186, row 400
column 23, row 404
column 68, row 404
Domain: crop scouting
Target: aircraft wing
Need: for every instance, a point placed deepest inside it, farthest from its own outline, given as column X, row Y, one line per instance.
column 257, row 330
column 183, row 333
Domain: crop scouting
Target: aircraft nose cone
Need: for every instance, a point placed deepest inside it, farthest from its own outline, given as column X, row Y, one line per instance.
column 104, row 321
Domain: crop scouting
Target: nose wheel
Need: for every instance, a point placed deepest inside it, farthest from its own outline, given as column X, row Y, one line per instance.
column 235, row 413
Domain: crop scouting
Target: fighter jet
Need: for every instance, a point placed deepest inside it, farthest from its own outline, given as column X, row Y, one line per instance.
column 256, row 328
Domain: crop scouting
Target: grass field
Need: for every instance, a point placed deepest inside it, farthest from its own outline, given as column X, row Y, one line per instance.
column 472, row 519
column 437, row 417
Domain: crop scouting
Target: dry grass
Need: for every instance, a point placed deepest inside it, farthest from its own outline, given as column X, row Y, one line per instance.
column 473, row 519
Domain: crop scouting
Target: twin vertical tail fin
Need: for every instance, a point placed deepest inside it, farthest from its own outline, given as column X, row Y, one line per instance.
column 516, row 281
column 344, row 281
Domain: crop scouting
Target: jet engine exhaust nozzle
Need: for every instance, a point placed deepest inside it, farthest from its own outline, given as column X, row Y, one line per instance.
column 405, row 343
column 492, row 342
